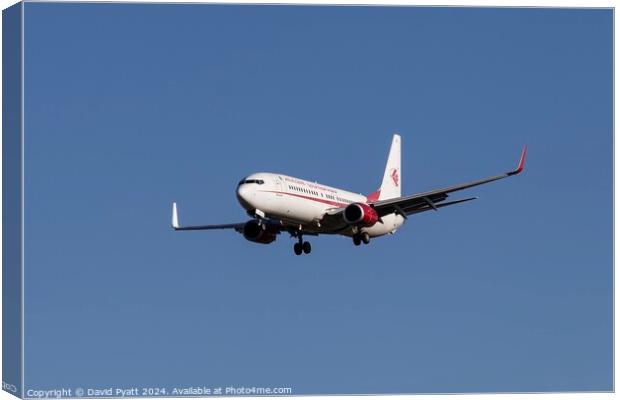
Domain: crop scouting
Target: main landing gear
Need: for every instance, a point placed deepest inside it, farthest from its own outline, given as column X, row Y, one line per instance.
column 361, row 237
column 301, row 246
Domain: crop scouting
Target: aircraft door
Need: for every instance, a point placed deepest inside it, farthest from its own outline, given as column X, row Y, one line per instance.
column 279, row 186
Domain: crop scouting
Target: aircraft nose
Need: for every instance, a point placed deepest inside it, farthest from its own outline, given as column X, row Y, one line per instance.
column 244, row 194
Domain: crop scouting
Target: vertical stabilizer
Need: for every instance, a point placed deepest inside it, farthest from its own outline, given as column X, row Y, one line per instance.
column 392, row 178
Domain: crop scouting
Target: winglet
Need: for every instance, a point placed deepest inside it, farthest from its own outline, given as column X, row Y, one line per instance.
column 175, row 217
column 521, row 162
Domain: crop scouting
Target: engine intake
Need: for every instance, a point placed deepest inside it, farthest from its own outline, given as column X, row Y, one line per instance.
column 360, row 214
column 257, row 232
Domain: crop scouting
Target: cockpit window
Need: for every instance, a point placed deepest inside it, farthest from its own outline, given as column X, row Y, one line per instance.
column 257, row 181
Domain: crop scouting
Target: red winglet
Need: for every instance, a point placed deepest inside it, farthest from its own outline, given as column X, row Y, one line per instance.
column 521, row 161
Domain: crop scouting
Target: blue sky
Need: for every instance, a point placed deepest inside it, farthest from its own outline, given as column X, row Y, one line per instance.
column 129, row 107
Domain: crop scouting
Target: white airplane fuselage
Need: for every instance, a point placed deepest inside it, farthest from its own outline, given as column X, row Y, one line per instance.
column 302, row 202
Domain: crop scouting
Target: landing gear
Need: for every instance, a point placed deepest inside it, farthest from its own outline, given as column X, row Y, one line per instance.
column 358, row 238
column 365, row 237
column 302, row 246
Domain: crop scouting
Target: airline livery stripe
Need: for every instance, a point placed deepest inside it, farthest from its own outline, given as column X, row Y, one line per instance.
column 331, row 203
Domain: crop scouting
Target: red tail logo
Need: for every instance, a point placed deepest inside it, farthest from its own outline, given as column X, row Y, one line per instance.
column 394, row 175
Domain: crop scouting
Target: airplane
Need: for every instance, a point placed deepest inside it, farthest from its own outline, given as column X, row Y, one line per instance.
column 279, row 203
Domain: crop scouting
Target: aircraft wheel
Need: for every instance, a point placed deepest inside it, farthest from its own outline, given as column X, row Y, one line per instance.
column 297, row 248
column 306, row 247
column 365, row 238
column 356, row 240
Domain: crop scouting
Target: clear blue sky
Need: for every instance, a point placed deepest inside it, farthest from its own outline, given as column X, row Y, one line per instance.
column 129, row 107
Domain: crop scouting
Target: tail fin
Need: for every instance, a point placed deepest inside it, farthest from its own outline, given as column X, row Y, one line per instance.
column 392, row 178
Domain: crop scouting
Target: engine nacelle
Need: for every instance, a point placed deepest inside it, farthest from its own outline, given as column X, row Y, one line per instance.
column 257, row 232
column 360, row 214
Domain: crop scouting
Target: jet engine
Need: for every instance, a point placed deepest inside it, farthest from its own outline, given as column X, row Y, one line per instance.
column 360, row 214
column 260, row 232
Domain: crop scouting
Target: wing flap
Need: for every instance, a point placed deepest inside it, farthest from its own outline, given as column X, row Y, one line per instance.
column 412, row 211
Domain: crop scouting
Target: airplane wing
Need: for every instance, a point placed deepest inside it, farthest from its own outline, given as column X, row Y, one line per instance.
column 175, row 224
column 407, row 205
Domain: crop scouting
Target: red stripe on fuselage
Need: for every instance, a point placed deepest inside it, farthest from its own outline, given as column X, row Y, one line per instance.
column 331, row 203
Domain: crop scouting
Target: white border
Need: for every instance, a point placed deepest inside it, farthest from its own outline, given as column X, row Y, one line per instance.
column 477, row 3
column 23, row 120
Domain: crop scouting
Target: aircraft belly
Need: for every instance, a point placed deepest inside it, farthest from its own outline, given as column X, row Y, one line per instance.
column 307, row 213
